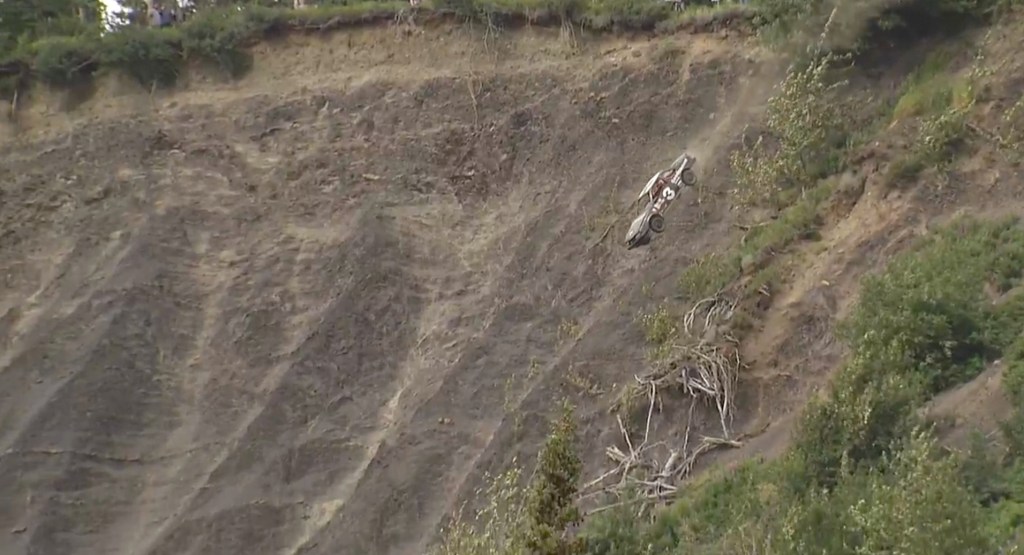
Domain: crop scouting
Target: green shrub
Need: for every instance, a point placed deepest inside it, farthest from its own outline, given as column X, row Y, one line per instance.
column 65, row 61
column 219, row 34
column 1013, row 377
column 806, row 124
column 927, row 313
column 618, row 530
column 532, row 521
column 912, row 503
column 151, row 56
column 871, row 406
column 625, row 14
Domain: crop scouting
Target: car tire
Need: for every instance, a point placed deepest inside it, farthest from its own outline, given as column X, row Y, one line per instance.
column 689, row 177
column 656, row 223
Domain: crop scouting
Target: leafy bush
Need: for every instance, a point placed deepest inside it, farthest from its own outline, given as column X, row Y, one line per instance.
column 218, row 35
column 870, row 408
column 625, row 14
column 805, row 123
column 151, row 56
column 912, row 503
column 927, row 313
column 64, row 61
column 1013, row 379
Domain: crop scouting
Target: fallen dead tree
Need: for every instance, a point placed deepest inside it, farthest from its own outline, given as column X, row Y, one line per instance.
column 706, row 372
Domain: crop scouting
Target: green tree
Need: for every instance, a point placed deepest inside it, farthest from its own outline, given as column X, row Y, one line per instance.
column 550, row 506
column 23, row 21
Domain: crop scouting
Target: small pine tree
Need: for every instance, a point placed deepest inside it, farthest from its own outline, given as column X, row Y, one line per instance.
column 550, row 507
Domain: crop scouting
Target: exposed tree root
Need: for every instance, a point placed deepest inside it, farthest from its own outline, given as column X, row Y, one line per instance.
column 707, row 374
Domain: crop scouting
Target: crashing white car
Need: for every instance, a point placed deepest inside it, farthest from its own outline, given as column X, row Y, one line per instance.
column 655, row 197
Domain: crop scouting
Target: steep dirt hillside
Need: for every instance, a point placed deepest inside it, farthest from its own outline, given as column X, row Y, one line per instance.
column 304, row 311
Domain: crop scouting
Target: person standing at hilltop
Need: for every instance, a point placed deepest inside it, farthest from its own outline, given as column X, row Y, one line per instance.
column 154, row 15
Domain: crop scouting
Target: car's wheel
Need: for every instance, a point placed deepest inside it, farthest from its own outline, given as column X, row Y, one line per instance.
column 656, row 223
column 689, row 177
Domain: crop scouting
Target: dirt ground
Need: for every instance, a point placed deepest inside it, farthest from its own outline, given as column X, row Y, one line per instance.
column 304, row 312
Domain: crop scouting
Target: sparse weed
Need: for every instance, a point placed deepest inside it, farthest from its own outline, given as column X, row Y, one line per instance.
column 715, row 272
column 510, row 394
column 531, row 373
column 944, row 129
column 659, row 326
column 929, row 89
column 583, row 382
column 497, row 527
column 569, row 330
column 708, row 275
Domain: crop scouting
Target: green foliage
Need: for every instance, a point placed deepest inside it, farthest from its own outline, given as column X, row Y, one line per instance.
column 64, row 61
column 868, row 410
column 712, row 273
column 525, row 522
column 1013, row 379
column 625, row 14
column 550, row 506
column 921, row 326
column 852, row 26
column 25, row 21
column 911, row 503
column 61, row 42
column 152, row 57
column 805, row 124
column 715, row 514
column 927, row 314
column 929, row 89
column 982, row 472
column 617, row 531
column 218, row 35
column 708, row 275
column 945, row 101
column 496, row 528
column 659, row 326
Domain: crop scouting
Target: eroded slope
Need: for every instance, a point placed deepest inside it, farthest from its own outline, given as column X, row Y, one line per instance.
column 303, row 313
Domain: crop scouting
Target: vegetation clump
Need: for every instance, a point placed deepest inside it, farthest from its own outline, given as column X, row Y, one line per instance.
column 527, row 521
